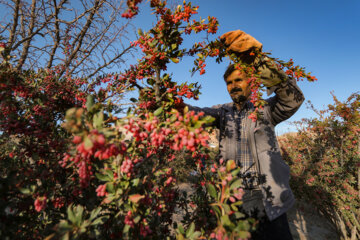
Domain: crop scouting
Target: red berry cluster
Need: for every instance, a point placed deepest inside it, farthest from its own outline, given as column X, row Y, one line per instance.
column 129, row 219
column 186, row 138
column 132, row 10
column 127, row 167
column 40, row 203
column 101, row 190
column 145, row 228
column 94, row 145
column 59, row 202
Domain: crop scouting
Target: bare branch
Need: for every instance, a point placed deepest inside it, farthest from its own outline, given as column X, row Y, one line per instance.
column 41, row 27
column 85, row 38
column 57, row 35
column 15, row 24
column 81, row 35
column 110, row 62
column 30, row 31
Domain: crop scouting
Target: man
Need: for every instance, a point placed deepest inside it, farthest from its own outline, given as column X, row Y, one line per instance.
column 253, row 145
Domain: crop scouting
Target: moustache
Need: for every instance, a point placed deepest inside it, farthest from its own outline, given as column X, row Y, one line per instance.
column 235, row 90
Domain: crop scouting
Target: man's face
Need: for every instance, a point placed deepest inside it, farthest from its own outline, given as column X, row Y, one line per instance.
column 238, row 86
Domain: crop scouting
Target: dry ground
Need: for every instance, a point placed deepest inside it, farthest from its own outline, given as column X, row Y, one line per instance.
column 305, row 222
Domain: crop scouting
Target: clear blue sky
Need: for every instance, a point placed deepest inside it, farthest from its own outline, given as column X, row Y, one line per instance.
column 323, row 36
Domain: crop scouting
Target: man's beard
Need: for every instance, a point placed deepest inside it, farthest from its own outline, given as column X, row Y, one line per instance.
column 239, row 99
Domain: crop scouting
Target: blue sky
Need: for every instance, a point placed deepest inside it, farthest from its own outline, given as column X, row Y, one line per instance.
column 322, row 36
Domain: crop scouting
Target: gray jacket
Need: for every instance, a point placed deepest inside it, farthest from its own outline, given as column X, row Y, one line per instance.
column 278, row 197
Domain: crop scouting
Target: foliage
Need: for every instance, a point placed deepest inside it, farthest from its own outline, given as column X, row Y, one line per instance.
column 325, row 163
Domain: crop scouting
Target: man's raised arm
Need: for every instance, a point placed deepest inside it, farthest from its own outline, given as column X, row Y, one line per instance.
column 288, row 96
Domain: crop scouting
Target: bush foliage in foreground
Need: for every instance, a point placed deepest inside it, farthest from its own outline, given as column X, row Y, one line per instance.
column 324, row 157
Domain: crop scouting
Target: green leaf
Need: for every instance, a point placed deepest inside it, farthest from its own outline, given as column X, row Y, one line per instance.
column 25, row 191
column 236, row 184
column 234, row 208
column 235, row 172
column 90, row 101
column 110, row 187
column 198, row 124
column 66, row 236
column 101, row 177
column 175, row 60
column 126, row 228
column 100, row 220
column 230, row 165
column 226, row 208
column 70, row 214
column 216, row 209
column 191, row 230
column 243, row 234
column 225, row 220
column 109, row 198
column 135, row 182
column 78, row 215
column 173, row 46
column 133, row 100
column 110, row 174
column 137, row 219
column 88, row 143
column 173, row 118
column 239, row 215
column 158, row 111
column 195, row 235
column 150, row 81
column 94, row 213
column 181, row 229
column 98, row 120
column 212, row 191
column 208, row 119
column 140, row 32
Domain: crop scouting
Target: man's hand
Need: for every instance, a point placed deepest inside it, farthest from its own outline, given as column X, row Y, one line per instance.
column 270, row 74
column 240, row 42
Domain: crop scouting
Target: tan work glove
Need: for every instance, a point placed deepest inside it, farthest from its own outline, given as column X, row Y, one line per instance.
column 240, row 42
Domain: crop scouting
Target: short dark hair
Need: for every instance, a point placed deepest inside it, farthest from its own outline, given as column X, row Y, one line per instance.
column 229, row 70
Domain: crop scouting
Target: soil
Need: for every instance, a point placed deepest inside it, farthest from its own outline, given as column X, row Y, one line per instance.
column 304, row 221
column 307, row 224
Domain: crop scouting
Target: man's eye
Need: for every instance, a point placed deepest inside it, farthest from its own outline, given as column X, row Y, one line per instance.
column 238, row 80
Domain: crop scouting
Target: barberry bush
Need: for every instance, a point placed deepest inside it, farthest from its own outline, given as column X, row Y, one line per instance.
column 324, row 157
column 73, row 167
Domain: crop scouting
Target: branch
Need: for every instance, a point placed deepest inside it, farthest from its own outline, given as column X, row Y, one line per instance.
column 157, row 85
column 15, row 24
column 39, row 29
column 57, row 36
column 108, row 63
column 27, row 43
column 99, row 38
column 81, row 36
